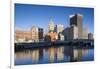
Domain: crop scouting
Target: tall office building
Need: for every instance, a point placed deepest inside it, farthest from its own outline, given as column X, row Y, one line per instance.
column 77, row 20
column 85, row 33
column 59, row 28
column 51, row 26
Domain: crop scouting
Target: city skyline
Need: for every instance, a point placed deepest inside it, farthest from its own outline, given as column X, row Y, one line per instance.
column 27, row 16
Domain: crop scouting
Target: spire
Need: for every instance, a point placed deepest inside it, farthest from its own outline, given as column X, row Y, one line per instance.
column 51, row 26
column 51, row 21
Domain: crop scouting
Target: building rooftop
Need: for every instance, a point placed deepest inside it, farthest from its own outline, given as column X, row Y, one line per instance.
column 77, row 14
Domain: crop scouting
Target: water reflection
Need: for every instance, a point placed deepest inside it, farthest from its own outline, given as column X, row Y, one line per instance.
column 60, row 53
column 53, row 55
column 35, row 56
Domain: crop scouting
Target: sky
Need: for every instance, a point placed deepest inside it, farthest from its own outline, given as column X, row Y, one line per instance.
column 28, row 15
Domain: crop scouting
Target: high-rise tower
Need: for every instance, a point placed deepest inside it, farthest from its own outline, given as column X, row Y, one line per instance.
column 51, row 26
column 77, row 20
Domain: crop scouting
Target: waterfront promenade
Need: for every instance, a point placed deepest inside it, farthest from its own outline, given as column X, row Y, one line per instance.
column 76, row 43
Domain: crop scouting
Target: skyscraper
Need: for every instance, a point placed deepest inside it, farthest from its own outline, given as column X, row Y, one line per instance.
column 85, row 33
column 77, row 20
column 51, row 26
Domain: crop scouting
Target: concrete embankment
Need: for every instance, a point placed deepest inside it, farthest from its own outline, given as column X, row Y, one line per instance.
column 20, row 46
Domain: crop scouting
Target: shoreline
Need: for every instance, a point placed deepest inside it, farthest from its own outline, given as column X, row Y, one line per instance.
column 75, row 43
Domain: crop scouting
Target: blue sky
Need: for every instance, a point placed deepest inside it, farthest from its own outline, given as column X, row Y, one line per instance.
column 28, row 15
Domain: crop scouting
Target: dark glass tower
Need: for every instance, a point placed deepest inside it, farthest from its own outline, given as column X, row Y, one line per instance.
column 77, row 20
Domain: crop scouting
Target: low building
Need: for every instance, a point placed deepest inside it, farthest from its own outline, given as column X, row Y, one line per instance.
column 52, row 36
column 66, row 33
column 35, row 34
column 70, row 33
column 22, row 35
column 74, row 32
column 90, row 36
column 59, row 28
column 61, row 37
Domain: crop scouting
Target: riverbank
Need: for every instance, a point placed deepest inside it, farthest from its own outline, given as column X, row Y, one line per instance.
column 77, row 43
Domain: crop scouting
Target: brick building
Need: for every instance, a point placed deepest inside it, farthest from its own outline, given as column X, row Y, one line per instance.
column 35, row 34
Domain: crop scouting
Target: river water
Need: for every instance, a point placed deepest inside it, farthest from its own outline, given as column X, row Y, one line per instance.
column 54, row 54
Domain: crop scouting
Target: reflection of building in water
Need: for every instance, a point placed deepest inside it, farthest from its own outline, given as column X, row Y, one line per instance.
column 85, row 51
column 68, row 52
column 40, row 53
column 45, row 55
column 24, row 54
column 75, row 54
column 51, row 54
column 35, row 56
column 60, row 53
column 79, row 53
